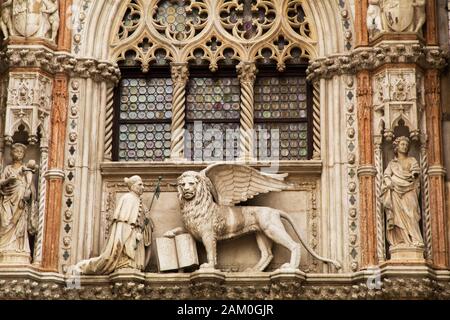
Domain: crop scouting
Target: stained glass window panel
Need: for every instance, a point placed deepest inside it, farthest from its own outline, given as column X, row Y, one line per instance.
column 281, row 98
column 146, row 99
column 144, row 124
column 144, row 142
column 213, row 98
column 281, row 118
column 212, row 141
column 284, row 141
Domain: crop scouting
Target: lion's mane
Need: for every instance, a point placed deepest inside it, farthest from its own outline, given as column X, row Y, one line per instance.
column 202, row 209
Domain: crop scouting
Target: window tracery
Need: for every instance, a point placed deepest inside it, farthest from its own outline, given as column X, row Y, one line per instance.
column 213, row 35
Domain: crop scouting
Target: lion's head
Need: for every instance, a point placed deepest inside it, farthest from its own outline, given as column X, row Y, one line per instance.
column 196, row 194
column 189, row 185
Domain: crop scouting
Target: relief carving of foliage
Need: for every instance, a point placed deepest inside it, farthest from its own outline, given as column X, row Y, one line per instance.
column 130, row 22
column 247, row 19
column 180, row 20
column 144, row 53
column 298, row 19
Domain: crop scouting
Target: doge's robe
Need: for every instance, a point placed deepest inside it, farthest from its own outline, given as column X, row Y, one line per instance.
column 130, row 234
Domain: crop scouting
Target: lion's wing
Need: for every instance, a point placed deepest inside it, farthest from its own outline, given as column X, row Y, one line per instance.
column 235, row 183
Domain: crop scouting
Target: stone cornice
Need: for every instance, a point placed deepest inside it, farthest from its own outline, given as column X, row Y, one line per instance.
column 371, row 58
column 38, row 56
column 402, row 282
column 312, row 167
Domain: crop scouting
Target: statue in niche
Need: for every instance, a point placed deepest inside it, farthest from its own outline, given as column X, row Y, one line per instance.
column 395, row 16
column 209, row 214
column 18, row 208
column 128, row 245
column 400, row 196
column 5, row 19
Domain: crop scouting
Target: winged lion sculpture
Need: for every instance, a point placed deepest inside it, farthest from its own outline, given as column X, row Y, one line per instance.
column 209, row 213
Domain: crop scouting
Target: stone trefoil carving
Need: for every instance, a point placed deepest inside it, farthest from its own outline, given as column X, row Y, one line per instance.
column 128, row 245
column 30, row 18
column 209, row 214
column 18, row 210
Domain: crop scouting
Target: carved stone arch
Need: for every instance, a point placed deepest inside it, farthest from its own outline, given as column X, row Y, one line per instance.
column 212, row 50
column 280, row 49
column 299, row 21
column 145, row 50
column 334, row 25
column 405, row 119
column 127, row 28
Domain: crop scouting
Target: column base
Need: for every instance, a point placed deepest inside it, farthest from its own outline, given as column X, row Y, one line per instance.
column 14, row 258
column 407, row 254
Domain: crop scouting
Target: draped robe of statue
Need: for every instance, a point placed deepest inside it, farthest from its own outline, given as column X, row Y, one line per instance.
column 401, row 202
column 130, row 234
column 16, row 203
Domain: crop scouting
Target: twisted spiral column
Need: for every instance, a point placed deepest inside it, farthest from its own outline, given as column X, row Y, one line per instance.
column 316, row 121
column 109, row 117
column 180, row 76
column 381, row 245
column 426, row 199
column 247, row 75
column 42, row 207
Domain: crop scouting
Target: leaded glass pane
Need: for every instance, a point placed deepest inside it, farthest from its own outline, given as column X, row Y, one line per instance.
column 144, row 142
column 284, row 141
column 213, row 98
column 212, row 141
column 281, row 118
column 281, row 98
column 146, row 99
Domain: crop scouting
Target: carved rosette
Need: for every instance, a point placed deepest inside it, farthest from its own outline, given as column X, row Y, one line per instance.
column 247, row 75
column 180, row 76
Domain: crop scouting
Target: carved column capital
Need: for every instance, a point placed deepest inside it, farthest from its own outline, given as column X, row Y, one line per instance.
column 180, row 73
column 247, row 72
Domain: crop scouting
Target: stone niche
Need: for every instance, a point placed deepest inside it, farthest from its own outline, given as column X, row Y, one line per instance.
column 234, row 255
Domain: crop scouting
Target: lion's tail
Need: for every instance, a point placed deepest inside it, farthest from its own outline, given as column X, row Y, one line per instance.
column 308, row 248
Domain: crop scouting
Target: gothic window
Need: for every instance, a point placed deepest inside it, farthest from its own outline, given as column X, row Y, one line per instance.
column 212, row 105
column 143, row 113
column 212, row 116
column 282, row 113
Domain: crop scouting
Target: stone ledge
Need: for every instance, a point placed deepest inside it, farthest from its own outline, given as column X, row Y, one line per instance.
column 396, row 282
column 311, row 167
